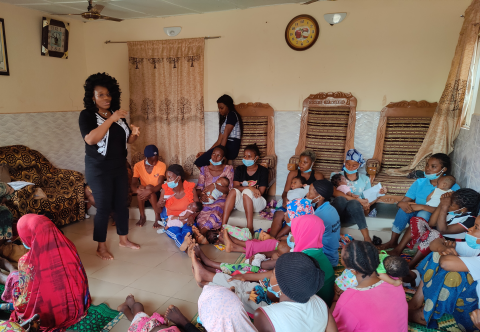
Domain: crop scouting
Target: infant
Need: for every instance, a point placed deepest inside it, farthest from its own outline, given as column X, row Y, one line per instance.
column 193, row 209
column 298, row 189
column 220, row 188
column 339, row 181
column 444, row 185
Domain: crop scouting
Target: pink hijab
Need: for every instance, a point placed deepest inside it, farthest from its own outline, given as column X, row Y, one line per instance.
column 220, row 310
column 307, row 232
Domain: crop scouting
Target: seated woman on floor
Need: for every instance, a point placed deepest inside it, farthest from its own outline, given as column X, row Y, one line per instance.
column 437, row 165
column 352, row 208
column 451, row 220
column 249, row 184
column 148, row 177
column 293, row 284
column 176, row 195
column 305, row 165
column 449, row 281
column 50, row 280
column 212, row 192
column 373, row 305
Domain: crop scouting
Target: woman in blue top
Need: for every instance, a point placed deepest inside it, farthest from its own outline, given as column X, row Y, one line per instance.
column 351, row 208
column 230, row 125
column 437, row 165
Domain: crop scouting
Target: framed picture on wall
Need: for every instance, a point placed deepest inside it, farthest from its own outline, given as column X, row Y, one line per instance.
column 4, row 69
column 55, row 38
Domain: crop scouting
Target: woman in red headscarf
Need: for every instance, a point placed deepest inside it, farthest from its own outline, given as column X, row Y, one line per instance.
column 51, row 279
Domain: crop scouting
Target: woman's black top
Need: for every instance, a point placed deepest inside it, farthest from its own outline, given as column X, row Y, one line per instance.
column 257, row 180
column 311, row 179
column 113, row 146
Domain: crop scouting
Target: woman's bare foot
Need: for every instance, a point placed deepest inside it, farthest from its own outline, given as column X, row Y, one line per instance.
column 228, row 242
column 141, row 221
column 186, row 242
column 199, row 236
column 103, row 252
column 174, row 315
column 264, row 236
column 202, row 276
column 156, row 224
column 387, row 245
column 129, row 302
column 124, row 242
column 190, row 248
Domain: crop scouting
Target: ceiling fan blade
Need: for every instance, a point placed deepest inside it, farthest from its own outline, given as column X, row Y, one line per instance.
column 97, row 9
column 110, row 18
column 309, row 2
column 66, row 14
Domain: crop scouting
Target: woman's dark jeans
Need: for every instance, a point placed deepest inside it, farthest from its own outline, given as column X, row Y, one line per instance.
column 350, row 212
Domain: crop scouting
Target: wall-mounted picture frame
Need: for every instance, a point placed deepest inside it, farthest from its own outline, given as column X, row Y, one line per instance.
column 4, row 68
column 55, row 38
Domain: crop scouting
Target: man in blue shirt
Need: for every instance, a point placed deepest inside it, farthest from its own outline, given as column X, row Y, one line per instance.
column 320, row 194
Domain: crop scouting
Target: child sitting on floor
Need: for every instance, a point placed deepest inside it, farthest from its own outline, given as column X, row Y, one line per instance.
column 192, row 211
column 134, row 312
column 298, row 189
column 340, row 183
column 220, row 188
column 444, row 185
column 390, row 266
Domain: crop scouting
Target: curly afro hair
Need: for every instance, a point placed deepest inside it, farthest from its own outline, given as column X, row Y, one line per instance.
column 106, row 81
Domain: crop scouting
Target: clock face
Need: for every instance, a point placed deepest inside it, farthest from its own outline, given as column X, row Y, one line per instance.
column 302, row 32
column 56, row 38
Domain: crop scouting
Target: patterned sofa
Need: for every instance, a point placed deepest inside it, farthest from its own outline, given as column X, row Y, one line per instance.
column 328, row 128
column 401, row 130
column 64, row 188
column 259, row 127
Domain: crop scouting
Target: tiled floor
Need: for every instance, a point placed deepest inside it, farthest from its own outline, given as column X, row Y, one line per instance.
column 157, row 275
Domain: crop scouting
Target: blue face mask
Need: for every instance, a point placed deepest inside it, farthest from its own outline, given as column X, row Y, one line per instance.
column 349, row 171
column 308, row 170
column 172, row 184
column 472, row 241
column 146, row 162
column 433, row 176
column 216, row 163
column 290, row 243
column 269, row 288
column 454, row 213
column 26, row 246
column 248, row 163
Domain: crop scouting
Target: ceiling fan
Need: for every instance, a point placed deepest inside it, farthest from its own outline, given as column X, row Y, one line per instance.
column 313, row 1
column 93, row 13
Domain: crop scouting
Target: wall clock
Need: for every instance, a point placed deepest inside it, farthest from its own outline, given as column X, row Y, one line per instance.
column 55, row 38
column 302, row 32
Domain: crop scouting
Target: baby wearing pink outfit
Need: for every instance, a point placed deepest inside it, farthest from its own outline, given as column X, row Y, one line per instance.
column 339, row 181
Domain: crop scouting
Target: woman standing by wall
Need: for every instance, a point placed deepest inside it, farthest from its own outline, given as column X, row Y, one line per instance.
column 230, row 124
column 106, row 134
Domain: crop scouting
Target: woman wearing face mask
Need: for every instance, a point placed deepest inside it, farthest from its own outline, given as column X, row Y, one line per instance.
column 450, row 276
column 437, row 165
column 211, row 215
column 451, row 220
column 351, row 208
column 230, row 125
column 176, row 195
column 249, row 184
column 305, row 170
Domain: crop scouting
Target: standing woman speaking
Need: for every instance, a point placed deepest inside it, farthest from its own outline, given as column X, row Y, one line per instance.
column 106, row 134
column 230, row 124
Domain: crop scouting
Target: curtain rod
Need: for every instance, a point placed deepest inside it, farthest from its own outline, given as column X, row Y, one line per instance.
column 124, row 42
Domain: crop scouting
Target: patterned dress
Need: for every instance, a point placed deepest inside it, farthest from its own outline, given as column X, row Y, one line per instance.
column 211, row 215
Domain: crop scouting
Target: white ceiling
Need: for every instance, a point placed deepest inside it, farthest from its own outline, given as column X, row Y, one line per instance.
column 129, row 9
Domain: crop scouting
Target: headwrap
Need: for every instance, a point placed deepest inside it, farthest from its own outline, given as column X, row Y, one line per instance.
column 354, row 155
column 299, row 207
column 4, row 191
column 324, row 188
column 299, row 276
column 308, row 232
column 52, row 280
column 220, row 310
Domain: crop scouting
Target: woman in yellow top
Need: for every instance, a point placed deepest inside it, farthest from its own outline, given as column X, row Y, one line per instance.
column 148, row 177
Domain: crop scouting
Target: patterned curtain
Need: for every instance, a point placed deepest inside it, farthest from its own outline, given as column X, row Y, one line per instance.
column 166, row 99
column 451, row 111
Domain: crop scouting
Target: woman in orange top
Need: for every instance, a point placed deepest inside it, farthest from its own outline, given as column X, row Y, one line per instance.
column 176, row 195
